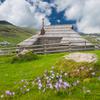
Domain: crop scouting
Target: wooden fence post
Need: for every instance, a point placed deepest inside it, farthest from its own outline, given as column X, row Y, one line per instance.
column 44, row 48
column 69, row 46
column 85, row 45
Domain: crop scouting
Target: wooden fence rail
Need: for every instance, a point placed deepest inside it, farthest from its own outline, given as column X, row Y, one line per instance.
column 48, row 48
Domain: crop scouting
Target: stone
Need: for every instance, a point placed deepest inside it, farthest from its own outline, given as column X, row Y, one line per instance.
column 24, row 52
column 82, row 57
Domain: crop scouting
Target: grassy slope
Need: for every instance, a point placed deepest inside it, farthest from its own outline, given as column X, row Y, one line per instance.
column 9, row 73
column 14, row 34
column 92, row 39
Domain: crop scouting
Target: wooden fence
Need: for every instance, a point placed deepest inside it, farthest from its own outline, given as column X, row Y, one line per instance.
column 48, row 48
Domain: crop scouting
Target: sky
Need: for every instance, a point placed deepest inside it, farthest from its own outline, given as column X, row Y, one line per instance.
column 84, row 14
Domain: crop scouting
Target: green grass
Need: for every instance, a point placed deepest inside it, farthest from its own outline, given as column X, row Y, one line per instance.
column 14, row 34
column 10, row 73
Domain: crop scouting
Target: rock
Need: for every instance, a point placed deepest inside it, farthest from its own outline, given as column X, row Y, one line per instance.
column 24, row 52
column 82, row 57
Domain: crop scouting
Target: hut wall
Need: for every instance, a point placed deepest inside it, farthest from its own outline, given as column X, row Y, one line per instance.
column 48, row 40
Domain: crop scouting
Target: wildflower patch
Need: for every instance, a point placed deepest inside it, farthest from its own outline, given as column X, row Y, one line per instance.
column 52, row 80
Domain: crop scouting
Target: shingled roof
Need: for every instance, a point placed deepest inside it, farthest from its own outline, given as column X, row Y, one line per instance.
column 65, row 33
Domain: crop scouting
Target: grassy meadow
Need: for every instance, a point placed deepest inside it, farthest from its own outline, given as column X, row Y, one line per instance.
column 12, row 74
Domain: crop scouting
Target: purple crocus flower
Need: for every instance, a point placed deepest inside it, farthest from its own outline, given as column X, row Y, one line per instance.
column 39, row 86
column 49, row 85
column 8, row 92
column 60, row 85
column 60, row 81
column 66, row 85
column 57, row 86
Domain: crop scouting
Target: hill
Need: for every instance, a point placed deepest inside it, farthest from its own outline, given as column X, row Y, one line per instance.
column 93, row 38
column 13, row 34
column 5, row 23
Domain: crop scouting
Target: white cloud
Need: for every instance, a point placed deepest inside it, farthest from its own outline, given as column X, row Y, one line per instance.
column 21, row 13
column 73, row 12
column 86, row 12
column 65, row 4
column 45, row 7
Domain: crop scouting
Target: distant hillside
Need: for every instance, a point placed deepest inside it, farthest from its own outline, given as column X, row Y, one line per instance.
column 14, row 34
column 93, row 38
column 5, row 23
